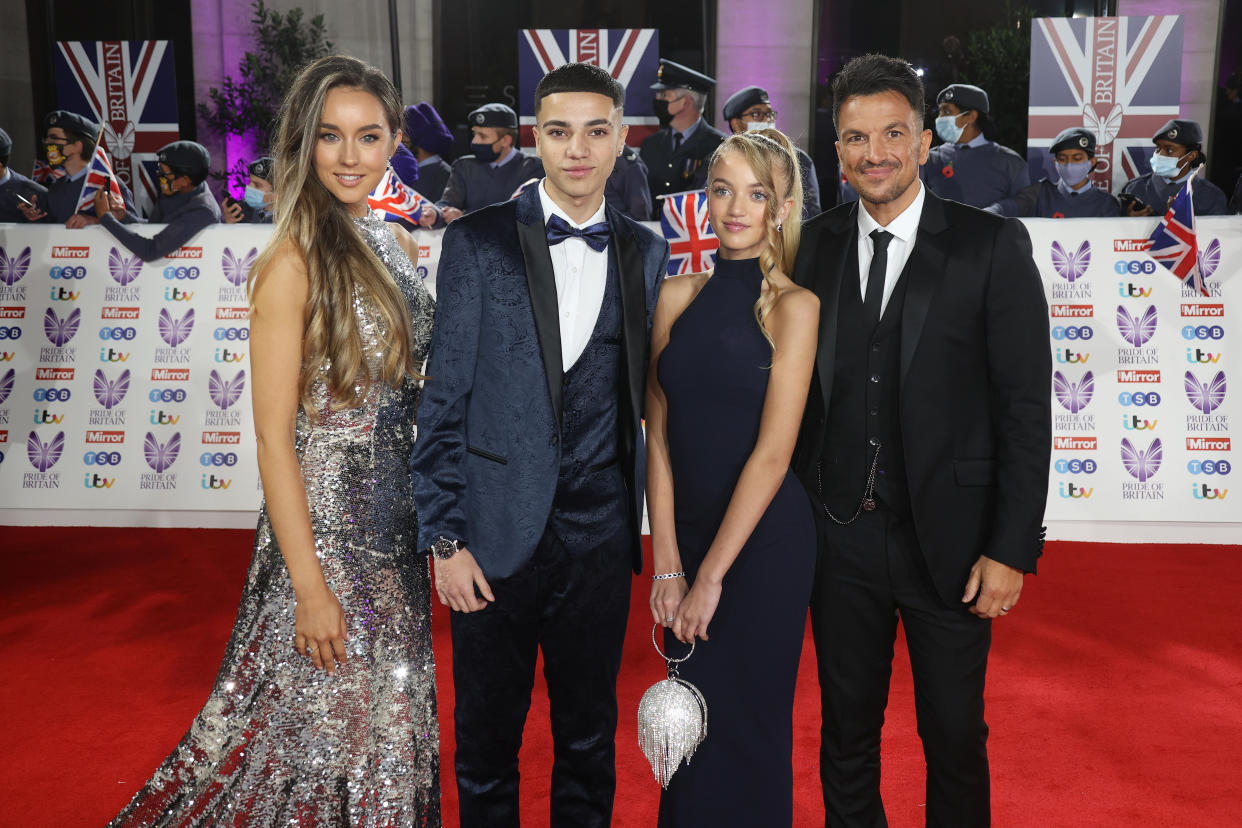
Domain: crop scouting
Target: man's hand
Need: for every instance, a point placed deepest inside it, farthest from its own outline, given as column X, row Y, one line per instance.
column 450, row 214
column 232, row 212
column 996, row 584
column 80, row 220
column 428, row 217
column 32, row 212
column 456, row 580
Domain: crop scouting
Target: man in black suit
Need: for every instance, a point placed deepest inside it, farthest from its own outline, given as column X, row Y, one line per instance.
column 676, row 156
column 925, row 447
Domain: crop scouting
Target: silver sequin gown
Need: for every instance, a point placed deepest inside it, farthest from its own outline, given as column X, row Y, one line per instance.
column 278, row 742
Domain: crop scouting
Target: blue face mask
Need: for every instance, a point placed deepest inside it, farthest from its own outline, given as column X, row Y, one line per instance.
column 1165, row 167
column 254, row 197
column 1073, row 173
column 947, row 129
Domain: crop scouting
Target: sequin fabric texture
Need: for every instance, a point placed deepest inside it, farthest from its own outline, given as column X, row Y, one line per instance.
column 279, row 743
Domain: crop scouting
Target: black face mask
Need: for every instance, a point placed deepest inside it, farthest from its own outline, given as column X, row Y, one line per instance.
column 661, row 112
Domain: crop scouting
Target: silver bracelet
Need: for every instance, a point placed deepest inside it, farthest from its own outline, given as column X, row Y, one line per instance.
column 668, row 575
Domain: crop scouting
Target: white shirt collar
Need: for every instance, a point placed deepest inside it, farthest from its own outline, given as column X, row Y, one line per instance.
column 977, row 141
column 905, row 227
column 550, row 208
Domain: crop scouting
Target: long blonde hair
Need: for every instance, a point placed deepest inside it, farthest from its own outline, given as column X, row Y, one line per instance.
column 771, row 157
column 340, row 267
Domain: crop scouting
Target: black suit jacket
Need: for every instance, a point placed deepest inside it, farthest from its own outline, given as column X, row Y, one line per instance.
column 974, row 382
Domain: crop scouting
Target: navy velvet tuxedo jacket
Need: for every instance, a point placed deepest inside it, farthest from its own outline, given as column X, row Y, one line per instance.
column 974, row 394
column 487, row 458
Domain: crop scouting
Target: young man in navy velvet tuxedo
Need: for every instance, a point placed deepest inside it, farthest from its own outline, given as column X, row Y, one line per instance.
column 529, row 464
column 925, row 446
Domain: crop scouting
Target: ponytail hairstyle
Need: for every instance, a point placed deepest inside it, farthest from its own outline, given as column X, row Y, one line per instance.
column 340, row 267
column 771, row 157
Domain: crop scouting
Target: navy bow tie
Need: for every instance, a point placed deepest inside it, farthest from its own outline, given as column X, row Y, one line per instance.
column 595, row 235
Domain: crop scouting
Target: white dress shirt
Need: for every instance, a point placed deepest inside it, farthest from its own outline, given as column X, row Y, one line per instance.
column 904, row 229
column 581, row 275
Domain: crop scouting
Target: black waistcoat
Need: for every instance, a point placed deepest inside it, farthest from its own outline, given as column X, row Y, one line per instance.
column 862, row 411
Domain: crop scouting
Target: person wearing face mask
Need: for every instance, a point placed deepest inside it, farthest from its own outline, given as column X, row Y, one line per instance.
column 185, row 204
column 1072, row 195
column 69, row 143
column 676, row 155
column 968, row 167
column 1178, row 157
column 494, row 170
column 256, row 205
column 16, row 189
column 750, row 110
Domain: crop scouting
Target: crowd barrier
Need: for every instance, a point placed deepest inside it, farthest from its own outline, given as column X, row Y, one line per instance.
column 125, row 387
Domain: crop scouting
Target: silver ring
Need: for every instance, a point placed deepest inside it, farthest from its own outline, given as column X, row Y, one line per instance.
column 1006, row 609
column 668, row 620
column 310, row 650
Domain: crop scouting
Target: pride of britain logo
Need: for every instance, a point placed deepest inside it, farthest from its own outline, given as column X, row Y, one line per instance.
column 1137, row 330
column 108, row 392
column 44, row 455
column 1206, row 397
column 161, row 456
column 1142, row 465
column 1071, row 265
column 59, row 331
column 1073, row 397
column 13, row 269
column 123, row 269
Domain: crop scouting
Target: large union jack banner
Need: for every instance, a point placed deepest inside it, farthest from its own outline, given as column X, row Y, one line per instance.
column 1119, row 77
column 632, row 56
column 691, row 241
column 130, row 88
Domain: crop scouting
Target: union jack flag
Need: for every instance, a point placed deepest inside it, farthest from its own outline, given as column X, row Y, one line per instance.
column 99, row 174
column 1174, row 243
column 692, row 243
column 394, row 201
column 632, row 56
column 45, row 173
column 130, row 88
column 1119, row 77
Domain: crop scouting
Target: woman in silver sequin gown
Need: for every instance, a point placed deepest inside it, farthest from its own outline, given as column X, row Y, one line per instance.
column 324, row 710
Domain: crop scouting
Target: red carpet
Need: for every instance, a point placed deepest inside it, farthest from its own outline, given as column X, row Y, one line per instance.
column 1114, row 691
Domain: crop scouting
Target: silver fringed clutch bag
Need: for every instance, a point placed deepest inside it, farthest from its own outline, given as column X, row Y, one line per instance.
column 672, row 719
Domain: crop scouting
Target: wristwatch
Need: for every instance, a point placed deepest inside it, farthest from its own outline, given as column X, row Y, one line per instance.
column 444, row 548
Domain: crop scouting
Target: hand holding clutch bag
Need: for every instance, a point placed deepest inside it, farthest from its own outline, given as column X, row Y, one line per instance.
column 672, row 719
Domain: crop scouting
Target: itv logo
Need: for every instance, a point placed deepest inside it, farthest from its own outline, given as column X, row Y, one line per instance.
column 1202, row 492
column 1072, row 490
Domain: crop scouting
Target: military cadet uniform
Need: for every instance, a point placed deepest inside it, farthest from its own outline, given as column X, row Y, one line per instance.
column 475, row 183
column 1156, row 190
column 259, row 168
column 626, row 189
column 63, row 193
column 14, row 184
column 980, row 172
column 426, row 130
column 1046, row 199
column 677, row 161
column 185, row 213
column 744, row 99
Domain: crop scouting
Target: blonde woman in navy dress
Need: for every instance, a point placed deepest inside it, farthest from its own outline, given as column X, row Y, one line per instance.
column 732, row 528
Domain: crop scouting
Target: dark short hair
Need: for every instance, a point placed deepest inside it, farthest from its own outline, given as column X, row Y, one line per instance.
column 876, row 74
column 579, row 77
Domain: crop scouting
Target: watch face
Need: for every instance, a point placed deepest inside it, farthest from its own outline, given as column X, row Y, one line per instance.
column 444, row 548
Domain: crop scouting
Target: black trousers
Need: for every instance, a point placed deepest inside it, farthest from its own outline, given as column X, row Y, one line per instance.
column 572, row 604
column 870, row 574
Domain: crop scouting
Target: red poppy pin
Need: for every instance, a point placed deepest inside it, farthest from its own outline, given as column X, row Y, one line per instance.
column 947, row 172
column 1058, row 214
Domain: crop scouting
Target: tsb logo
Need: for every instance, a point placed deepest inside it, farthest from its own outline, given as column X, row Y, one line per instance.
column 102, row 458
column 108, row 332
column 1071, row 332
column 1076, row 466
column 231, row 334
column 1069, row 490
column 1135, row 267
column 166, row 395
column 1129, row 290
column 1221, row 467
column 1139, row 398
column 10, row 332
column 52, row 394
column 70, row 272
column 171, row 273
column 217, row 458
column 1203, row 332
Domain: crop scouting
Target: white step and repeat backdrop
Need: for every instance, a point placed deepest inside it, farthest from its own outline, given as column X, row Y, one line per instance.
column 125, row 387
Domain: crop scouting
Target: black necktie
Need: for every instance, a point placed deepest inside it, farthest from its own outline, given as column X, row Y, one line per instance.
column 876, row 274
column 595, row 235
column 677, row 136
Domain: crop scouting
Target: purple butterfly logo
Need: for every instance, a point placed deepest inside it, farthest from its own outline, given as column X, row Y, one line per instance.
column 1071, row 266
column 1137, row 330
column 12, row 270
column 44, row 455
column 237, row 270
column 59, row 331
column 111, row 392
column 225, row 392
column 1207, row 397
column 1073, row 398
column 123, row 270
column 176, row 331
column 1142, row 465
column 6, row 385
column 1209, row 259
column 161, row 456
